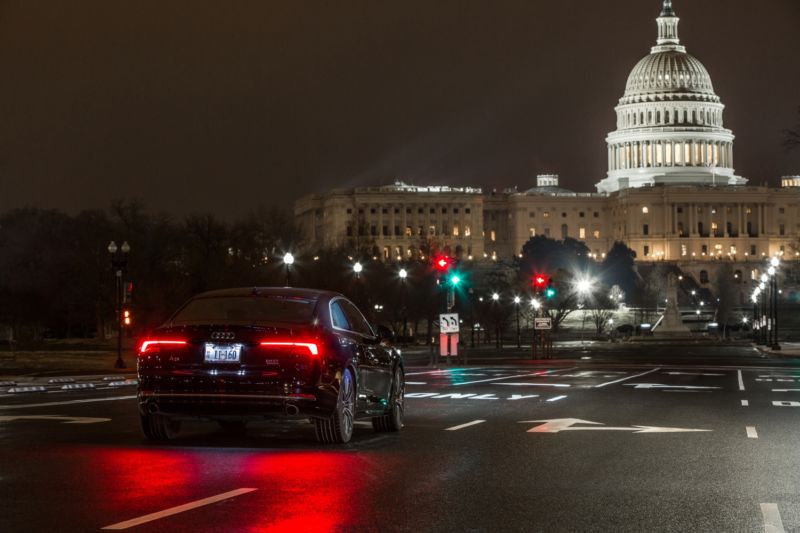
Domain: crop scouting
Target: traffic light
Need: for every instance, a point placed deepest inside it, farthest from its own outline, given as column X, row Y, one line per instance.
column 442, row 263
column 126, row 317
column 540, row 281
column 550, row 292
column 455, row 279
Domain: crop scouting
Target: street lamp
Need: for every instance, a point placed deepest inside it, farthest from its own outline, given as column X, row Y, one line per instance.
column 288, row 260
column 357, row 269
column 403, row 274
column 517, row 301
column 584, row 287
column 119, row 264
column 495, row 296
column 495, row 299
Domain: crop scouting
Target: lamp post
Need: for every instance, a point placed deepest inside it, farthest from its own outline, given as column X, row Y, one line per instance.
column 536, row 304
column 773, row 274
column 584, row 287
column 119, row 265
column 357, row 269
column 403, row 277
column 495, row 300
column 288, row 260
column 517, row 301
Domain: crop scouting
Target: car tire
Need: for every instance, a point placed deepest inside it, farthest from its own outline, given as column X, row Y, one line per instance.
column 157, row 427
column 338, row 428
column 392, row 420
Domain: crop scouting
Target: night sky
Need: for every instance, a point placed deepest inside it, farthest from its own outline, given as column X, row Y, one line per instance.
column 217, row 106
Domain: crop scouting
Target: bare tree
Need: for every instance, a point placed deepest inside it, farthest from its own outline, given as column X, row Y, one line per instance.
column 792, row 136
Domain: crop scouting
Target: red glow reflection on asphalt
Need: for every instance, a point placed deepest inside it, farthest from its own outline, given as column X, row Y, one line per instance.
column 131, row 474
column 309, row 491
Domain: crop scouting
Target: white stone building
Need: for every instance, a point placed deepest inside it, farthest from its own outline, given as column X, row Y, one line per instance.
column 670, row 192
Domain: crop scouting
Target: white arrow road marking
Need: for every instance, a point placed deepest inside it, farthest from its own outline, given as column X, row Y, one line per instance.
column 62, row 419
column 557, row 425
column 690, row 374
column 660, row 386
column 772, row 518
column 179, row 509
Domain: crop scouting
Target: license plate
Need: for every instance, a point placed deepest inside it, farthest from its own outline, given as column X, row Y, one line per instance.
column 223, row 353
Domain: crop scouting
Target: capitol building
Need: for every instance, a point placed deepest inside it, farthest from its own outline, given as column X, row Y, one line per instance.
column 670, row 193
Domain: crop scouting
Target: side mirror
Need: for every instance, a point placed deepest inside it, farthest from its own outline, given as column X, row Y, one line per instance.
column 384, row 334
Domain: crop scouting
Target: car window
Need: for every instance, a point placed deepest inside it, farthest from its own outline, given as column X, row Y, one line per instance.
column 246, row 309
column 357, row 321
column 338, row 317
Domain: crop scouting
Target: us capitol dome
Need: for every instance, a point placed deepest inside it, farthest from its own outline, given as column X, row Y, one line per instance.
column 669, row 121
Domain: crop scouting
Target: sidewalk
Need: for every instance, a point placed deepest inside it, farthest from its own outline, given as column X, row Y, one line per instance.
column 63, row 362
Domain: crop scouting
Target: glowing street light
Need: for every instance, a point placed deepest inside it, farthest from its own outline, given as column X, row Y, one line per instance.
column 403, row 274
column 288, row 260
column 358, row 268
column 495, row 296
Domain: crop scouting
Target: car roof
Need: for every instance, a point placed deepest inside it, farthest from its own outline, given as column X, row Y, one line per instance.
column 289, row 292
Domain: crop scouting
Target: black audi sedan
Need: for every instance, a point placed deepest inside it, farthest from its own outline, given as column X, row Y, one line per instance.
column 240, row 354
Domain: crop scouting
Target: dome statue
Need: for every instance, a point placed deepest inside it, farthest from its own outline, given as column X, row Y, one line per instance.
column 669, row 121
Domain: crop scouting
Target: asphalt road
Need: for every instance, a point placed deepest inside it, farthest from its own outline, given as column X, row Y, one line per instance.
column 562, row 446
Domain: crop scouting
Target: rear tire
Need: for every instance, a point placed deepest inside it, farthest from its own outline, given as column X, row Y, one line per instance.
column 338, row 429
column 160, row 428
column 392, row 420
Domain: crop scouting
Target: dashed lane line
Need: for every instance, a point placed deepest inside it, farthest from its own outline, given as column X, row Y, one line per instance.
column 555, row 399
column 745, row 403
column 601, row 385
column 468, row 424
column 772, row 518
column 751, row 432
column 179, row 509
column 69, row 402
column 741, row 381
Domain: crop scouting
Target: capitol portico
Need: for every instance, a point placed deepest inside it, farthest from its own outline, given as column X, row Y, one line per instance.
column 670, row 192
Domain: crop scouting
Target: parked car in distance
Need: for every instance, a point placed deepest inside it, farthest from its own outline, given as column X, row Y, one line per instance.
column 235, row 355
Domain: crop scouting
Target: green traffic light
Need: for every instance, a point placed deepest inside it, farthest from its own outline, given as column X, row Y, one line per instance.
column 550, row 293
column 455, row 280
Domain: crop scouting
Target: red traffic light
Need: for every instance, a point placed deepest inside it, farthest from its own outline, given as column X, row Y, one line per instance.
column 540, row 281
column 442, row 263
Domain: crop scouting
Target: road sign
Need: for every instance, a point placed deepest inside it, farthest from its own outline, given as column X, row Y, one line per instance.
column 448, row 323
column 543, row 323
column 557, row 425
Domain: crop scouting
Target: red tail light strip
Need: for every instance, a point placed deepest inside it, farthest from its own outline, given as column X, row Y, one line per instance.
column 312, row 347
column 148, row 344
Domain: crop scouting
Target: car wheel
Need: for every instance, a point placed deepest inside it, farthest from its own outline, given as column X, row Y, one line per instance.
column 159, row 427
column 338, row 428
column 393, row 419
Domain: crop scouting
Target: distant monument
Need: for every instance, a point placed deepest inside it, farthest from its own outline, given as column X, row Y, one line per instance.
column 672, row 324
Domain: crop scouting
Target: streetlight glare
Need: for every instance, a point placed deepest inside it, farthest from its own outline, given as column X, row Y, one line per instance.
column 495, row 296
column 517, row 299
column 584, row 285
column 357, row 268
column 536, row 304
column 288, row 258
column 775, row 261
column 403, row 273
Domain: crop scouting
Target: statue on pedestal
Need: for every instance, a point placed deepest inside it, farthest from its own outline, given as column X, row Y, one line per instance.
column 672, row 323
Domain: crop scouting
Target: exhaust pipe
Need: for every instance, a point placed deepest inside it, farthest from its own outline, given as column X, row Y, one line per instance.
column 292, row 409
column 152, row 408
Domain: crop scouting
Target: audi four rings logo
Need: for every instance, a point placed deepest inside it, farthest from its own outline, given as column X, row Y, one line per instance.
column 223, row 335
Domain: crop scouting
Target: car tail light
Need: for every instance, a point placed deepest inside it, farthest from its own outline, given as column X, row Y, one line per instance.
column 156, row 345
column 312, row 347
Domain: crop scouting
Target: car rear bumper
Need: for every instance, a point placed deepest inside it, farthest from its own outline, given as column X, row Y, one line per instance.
column 228, row 404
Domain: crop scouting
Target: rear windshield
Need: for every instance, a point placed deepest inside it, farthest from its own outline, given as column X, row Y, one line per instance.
column 246, row 309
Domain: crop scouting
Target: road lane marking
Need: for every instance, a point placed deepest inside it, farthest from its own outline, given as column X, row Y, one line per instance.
column 429, row 372
column 512, row 377
column 745, row 403
column 557, row 425
column 660, row 386
column 68, row 402
column 59, row 418
column 741, row 381
column 556, row 398
column 523, row 396
column 468, row 424
column 751, row 432
column 690, row 374
column 416, row 383
column 626, row 379
column 535, row 384
column 785, row 390
column 772, row 518
column 179, row 509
